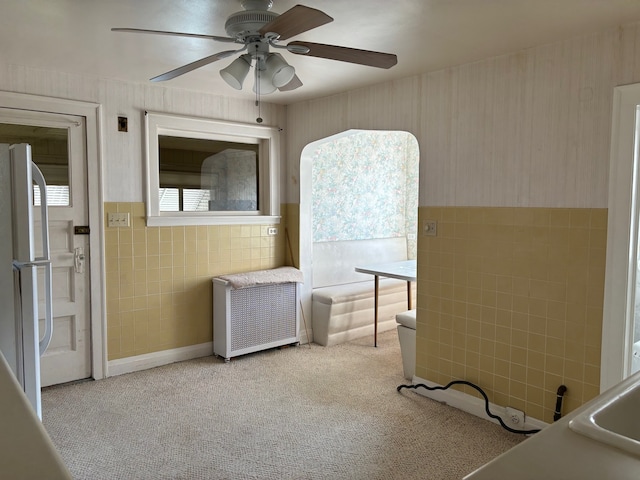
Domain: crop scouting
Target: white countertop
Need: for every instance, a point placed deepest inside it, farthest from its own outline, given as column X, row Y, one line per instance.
column 26, row 451
column 558, row 452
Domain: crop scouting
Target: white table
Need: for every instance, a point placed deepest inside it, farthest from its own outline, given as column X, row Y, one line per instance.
column 403, row 270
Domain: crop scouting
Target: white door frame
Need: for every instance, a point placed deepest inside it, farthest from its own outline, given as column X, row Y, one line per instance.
column 622, row 238
column 93, row 114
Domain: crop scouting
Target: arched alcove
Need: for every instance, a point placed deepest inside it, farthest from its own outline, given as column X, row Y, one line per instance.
column 355, row 185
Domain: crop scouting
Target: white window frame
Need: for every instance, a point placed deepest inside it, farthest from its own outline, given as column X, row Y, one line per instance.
column 157, row 124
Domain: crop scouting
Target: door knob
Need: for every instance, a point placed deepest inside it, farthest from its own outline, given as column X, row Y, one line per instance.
column 78, row 259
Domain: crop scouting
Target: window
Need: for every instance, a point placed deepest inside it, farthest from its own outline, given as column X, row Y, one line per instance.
column 50, row 151
column 57, row 195
column 183, row 200
column 207, row 172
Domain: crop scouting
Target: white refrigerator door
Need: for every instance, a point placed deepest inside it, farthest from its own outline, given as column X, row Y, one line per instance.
column 28, row 346
column 27, row 285
column 8, row 322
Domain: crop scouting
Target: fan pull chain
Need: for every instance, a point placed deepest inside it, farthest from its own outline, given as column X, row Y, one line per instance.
column 257, row 84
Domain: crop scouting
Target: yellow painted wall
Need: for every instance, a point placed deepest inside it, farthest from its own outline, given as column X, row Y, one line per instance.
column 511, row 299
column 159, row 291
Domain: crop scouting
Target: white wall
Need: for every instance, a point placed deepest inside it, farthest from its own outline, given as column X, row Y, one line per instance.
column 530, row 129
column 527, row 129
column 123, row 153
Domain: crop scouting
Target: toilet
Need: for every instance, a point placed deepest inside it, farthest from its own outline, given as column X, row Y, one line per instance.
column 407, row 336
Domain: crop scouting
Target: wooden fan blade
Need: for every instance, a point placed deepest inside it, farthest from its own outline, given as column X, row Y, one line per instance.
column 192, row 66
column 292, row 85
column 295, row 21
column 345, row 54
column 178, row 34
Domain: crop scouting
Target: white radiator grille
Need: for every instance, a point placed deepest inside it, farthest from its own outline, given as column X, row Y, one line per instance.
column 254, row 318
column 262, row 315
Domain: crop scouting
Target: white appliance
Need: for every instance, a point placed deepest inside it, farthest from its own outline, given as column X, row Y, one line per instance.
column 20, row 341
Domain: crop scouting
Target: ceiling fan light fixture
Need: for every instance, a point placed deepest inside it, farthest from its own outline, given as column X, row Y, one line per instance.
column 235, row 73
column 258, row 29
column 263, row 84
column 278, row 70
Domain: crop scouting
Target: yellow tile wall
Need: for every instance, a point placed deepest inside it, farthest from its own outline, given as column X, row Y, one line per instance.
column 511, row 299
column 158, row 279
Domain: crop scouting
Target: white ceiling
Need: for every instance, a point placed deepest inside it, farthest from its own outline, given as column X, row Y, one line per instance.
column 426, row 35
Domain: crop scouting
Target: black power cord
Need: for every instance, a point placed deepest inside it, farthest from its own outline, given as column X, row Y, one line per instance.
column 486, row 402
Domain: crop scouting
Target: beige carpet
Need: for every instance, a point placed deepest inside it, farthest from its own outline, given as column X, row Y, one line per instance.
column 294, row 413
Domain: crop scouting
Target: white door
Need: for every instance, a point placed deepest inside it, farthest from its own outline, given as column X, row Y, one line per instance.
column 621, row 290
column 58, row 148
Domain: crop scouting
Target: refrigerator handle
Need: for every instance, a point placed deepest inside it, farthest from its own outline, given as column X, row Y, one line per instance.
column 44, row 209
column 48, row 319
column 45, row 260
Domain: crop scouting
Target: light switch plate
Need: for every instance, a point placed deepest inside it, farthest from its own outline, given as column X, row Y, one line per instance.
column 118, row 219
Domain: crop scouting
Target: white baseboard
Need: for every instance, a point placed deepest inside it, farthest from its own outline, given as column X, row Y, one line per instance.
column 304, row 338
column 473, row 405
column 157, row 359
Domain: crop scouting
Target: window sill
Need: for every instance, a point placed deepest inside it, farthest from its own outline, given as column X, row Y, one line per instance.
column 188, row 220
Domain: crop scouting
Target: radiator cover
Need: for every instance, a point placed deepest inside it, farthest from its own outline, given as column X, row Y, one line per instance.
column 254, row 318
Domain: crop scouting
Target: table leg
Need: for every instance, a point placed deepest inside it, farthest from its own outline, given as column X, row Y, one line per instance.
column 375, row 310
column 409, row 302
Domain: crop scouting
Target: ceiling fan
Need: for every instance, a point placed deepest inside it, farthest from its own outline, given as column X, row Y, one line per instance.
column 258, row 30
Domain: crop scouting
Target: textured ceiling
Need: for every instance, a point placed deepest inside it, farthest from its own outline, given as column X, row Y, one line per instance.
column 426, row 35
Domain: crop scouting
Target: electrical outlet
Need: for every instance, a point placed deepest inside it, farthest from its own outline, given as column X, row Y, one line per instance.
column 430, row 228
column 118, row 219
column 272, row 231
column 515, row 418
